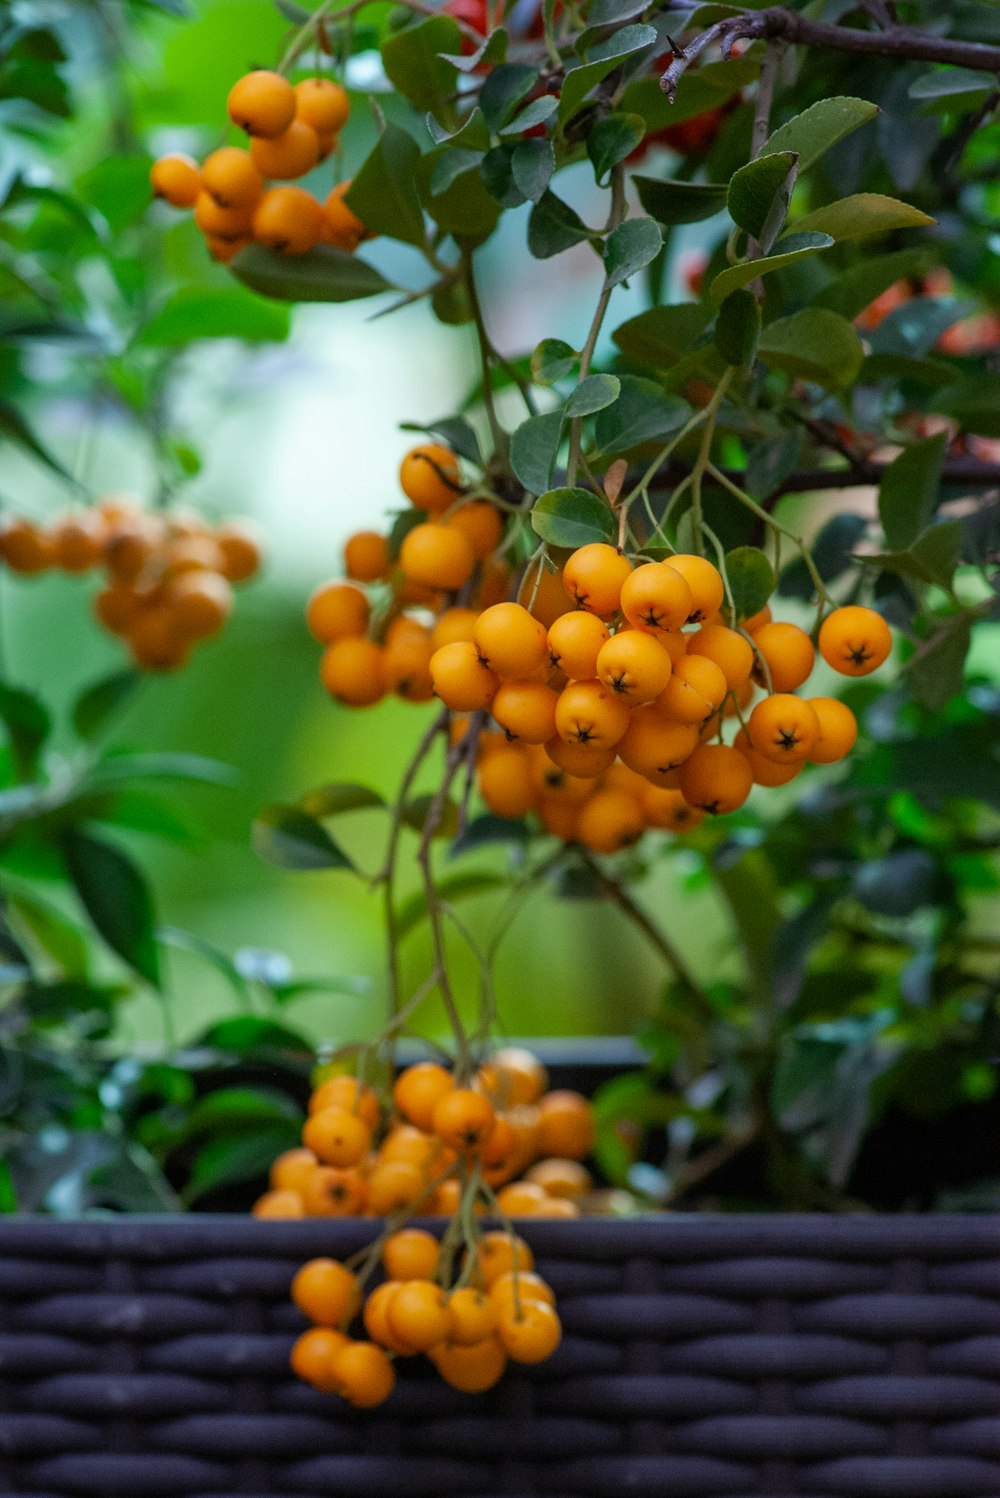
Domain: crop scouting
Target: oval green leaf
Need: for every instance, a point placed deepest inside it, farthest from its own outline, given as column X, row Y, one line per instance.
column 572, row 518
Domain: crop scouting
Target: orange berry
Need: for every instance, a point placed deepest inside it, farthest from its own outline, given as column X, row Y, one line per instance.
column 555, row 783
column 520, row 1199
column 559, row 818
column 499, row 1253
column 131, row 546
column 221, row 223
column 337, row 1137
column 330, row 1192
column 411, row 1145
column 510, row 641
column 224, row 250
column 288, row 220
column 419, row 1089
column 480, row 523
column 730, row 651
column 291, row 1170
column 656, row 597
column 473, row 1316
column 363, row 1375
column 565, row 1125
column 758, row 620
column 419, row 1315
column 155, row 641
column 353, row 671
column 393, row 1187
column 239, row 550
column 530, row 1334
column 655, row 746
column 574, row 642
column 609, row 821
column 594, row 576
column 463, row 1119
column 326, row 1292
column 460, row 679
column 472, row 1369
column 453, row 627
column 508, row 1288
column 291, row 154
column 548, row 597
column 336, row 611
column 634, row 665
column 376, row 1318
column 512, row 1076
column 708, row 591
column 176, row 179
column 525, row 710
column 26, row 548
column 854, row 641
column 185, row 552
column 445, row 1200
column 78, row 541
column 789, row 654
column 584, row 761
column 430, row 477
column 313, row 1354
column 506, row 782
column 716, row 778
column 694, row 692
column 201, row 602
column 766, row 772
column 343, row 1092
column 341, row 225
column 366, row 556
column 279, row 1204
column 437, row 556
column 232, row 177
column 589, row 713
column 783, row 727
column 561, row 1178
column 323, row 104
column 411, row 1254
column 666, row 809
column 838, row 730
column 262, row 103
column 408, row 665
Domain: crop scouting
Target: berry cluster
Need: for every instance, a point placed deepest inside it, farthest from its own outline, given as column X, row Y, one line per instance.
column 291, row 128
column 169, row 577
column 608, row 688
column 469, row 1300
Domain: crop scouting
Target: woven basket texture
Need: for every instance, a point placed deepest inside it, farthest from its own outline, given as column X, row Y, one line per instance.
column 717, row 1356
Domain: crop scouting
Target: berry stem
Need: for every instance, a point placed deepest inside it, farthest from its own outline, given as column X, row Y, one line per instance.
column 702, row 463
column 619, row 209
column 776, row 526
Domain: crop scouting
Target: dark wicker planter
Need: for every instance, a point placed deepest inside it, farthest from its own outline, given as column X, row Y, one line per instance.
column 703, row 1355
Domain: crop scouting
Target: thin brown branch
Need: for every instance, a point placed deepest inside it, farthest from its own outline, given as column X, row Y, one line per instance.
column 956, row 471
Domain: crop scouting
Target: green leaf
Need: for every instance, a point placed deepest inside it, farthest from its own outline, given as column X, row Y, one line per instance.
column 553, row 227
column 832, row 553
column 187, row 941
column 936, row 670
column 819, row 127
column 853, row 290
column 630, row 248
column 793, row 247
column 602, row 59
column 322, row 274
column 613, row 12
column 738, row 328
column 813, row 344
column 461, row 207
column 932, row 373
column 975, row 402
column 909, row 491
column 593, row 394
column 951, row 83
column 28, row 724
column 383, row 192
column 535, row 113
column 532, row 165
column 756, row 187
column 503, row 91
column 642, row 413
column 454, row 431
column 492, row 49
column 123, row 767
column 14, row 428
column 412, row 61
column 671, row 202
column 863, row 213
column 474, row 135
column 114, row 894
column 488, row 830
column 533, row 450
column 751, row 579
column 100, row 702
column 446, row 167
column 59, row 936
column 334, row 800
column 227, row 1160
column 552, row 360
column 450, row 889
column 612, row 139
column 289, row 837
column 234, row 1110
column 932, row 558
column 572, row 518
column 416, row 812
column 194, row 312
column 661, row 336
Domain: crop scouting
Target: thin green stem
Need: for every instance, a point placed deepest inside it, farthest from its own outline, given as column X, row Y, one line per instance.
column 619, row 209
column 776, row 526
column 702, row 463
